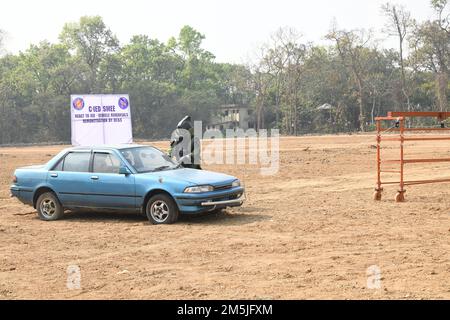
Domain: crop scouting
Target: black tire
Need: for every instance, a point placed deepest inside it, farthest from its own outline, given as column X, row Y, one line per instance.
column 161, row 209
column 48, row 207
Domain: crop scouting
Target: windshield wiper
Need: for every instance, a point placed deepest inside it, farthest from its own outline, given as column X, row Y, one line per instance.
column 161, row 168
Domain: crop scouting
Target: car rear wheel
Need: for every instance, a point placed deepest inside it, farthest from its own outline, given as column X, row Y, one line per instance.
column 48, row 207
column 161, row 209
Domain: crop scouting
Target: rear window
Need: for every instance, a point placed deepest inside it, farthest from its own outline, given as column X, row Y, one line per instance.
column 77, row 162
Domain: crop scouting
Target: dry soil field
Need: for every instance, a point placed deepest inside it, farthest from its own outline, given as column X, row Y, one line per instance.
column 311, row 231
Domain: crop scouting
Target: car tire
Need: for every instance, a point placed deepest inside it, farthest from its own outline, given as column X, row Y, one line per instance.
column 161, row 209
column 48, row 207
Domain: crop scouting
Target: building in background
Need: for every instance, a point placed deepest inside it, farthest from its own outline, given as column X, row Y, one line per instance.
column 231, row 116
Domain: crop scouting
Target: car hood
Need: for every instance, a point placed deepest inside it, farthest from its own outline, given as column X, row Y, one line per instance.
column 195, row 177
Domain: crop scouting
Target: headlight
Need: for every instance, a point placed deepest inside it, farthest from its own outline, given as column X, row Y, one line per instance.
column 199, row 189
column 236, row 183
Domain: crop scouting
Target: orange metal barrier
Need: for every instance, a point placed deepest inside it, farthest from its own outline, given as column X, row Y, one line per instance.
column 399, row 118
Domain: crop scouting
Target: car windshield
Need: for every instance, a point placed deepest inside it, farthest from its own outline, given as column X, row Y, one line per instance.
column 148, row 159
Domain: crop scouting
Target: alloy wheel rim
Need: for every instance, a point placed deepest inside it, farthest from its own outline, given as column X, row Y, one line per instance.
column 159, row 211
column 48, row 207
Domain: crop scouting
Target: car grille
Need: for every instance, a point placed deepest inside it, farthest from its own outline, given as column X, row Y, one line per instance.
column 225, row 187
column 229, row 197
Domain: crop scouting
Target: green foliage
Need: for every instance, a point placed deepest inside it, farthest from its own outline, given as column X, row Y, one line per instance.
column 439, row 4
column 93, row 43
column 165, row 81
column 299, row 88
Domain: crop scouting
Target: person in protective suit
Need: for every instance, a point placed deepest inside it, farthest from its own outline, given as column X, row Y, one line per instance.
column 185, row 154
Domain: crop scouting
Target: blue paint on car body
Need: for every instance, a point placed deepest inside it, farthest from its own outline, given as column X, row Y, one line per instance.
column 129, row 189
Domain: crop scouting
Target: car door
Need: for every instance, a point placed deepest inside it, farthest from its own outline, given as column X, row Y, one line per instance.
column 109, row 188
column 71, row 179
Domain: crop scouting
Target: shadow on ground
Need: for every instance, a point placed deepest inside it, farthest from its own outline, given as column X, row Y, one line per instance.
column 236, row 217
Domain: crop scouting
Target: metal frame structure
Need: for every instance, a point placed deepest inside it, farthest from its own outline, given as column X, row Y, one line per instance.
column 399, row 126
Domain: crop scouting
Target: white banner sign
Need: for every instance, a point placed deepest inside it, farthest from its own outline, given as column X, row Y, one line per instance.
column 100, row 119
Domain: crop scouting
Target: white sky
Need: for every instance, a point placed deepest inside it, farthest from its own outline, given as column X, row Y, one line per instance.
column 233, row 28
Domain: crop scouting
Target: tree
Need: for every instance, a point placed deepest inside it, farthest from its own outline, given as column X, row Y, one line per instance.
column 189, row 43
column 352, row 80
column 197, row 62
column 234, row 84
column 443, row 20
column 398, row 24
column 149, row 73
column 261, row 81
column 352, row 49
column 443, row 14
column 284, row 60
column 430, row 43
column 93, row 42
column 2, row 36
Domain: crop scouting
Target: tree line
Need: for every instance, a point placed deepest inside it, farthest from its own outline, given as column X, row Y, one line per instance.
column 292, row 85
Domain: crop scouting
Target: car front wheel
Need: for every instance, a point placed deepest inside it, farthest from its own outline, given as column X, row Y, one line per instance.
column 48, row 207
column 161, row 209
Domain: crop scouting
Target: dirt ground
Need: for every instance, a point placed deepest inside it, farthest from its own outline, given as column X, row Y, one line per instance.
column 311, row 231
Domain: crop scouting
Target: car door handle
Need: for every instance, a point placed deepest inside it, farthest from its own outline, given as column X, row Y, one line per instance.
column 94, row 177
column 54, row 175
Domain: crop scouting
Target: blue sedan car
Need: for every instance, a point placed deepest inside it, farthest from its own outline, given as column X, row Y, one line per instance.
column 127, row 178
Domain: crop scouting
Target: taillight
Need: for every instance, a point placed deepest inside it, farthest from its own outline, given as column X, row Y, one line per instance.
column 14, row 179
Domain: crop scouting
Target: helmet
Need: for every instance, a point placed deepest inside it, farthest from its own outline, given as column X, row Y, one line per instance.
column 185, row 123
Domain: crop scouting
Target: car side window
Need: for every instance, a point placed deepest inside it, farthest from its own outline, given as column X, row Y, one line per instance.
column 59, row 166
column 106, row 163
column 77, row 162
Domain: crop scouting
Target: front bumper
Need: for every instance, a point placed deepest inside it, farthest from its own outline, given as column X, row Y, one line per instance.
column 230, row 203
column 202, row 202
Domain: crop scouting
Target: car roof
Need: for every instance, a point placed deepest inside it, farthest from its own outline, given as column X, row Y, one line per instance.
column 107, row 147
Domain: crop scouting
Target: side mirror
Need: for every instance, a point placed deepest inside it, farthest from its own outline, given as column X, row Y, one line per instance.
column 124, row 170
